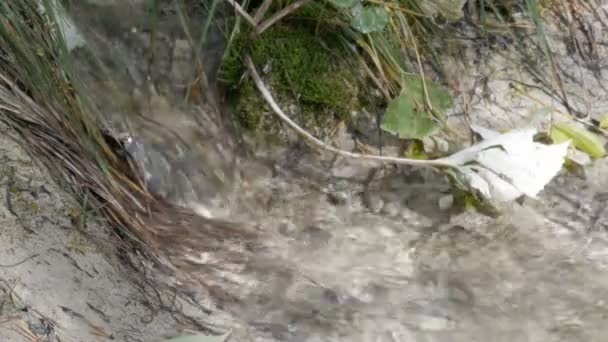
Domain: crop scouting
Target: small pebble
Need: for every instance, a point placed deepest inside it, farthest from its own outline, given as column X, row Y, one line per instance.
column 337, row 198
column 391, row 209
column 432, row 323
column 373, row 202
column 579, row 157
column 287, row 228
column 435, row 144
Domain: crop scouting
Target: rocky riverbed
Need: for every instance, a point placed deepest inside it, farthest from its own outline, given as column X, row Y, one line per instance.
column 390, row 260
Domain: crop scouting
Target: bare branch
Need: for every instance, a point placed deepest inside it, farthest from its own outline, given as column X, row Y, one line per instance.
column 320, row 144
column 243, row 13
column 280, row 14
column 259, row 15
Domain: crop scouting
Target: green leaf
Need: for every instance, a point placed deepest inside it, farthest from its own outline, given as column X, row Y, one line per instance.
column 558, row 137
column 344, row 3
column 407, row 120
column 200, row 338
column 604, row 122
column 582, row 139
column 409, row 117
column 369, row 19
column 415, row 150
column 439, row 98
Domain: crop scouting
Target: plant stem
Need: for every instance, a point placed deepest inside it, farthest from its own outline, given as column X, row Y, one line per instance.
column 323, row 146
column 259, row 15
column 243, row 13
column 280, row 14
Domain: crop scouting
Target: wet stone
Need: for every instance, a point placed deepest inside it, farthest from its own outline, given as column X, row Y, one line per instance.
column 337, row 198
column 391, row 209
column 313, row 236
column 373, row 202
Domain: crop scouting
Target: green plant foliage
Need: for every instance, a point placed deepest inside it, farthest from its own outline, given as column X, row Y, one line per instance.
column 409, row 117
column 533, row 12
column 604, row 122
column 407, row 120
column 299, row 64
column 369, row 19
column 582, row 139
column 344, row 3
column 302, row 69
column 365, row 19
column 415, row 150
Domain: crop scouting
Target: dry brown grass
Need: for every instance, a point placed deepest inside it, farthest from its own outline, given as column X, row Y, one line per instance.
column 53, row 121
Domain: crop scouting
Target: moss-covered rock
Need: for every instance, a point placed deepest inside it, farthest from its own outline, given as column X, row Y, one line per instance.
column 312, row 78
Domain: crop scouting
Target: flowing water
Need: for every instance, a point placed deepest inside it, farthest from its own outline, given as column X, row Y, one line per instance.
column 376, row 260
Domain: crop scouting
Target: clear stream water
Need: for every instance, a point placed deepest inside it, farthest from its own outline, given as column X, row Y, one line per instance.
column 377, row 262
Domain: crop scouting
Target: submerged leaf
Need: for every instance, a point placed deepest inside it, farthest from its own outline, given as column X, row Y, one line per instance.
column 409, row 117
column 369, row 19
column 582, row 139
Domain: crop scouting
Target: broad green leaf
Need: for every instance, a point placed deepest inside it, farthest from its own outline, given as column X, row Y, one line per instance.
column 200, row 338
column 369, row 19
column 438, row 96
column 344, row 3
column 408, row 116
column 582, row 139
column 558, row 136
column 407, row 120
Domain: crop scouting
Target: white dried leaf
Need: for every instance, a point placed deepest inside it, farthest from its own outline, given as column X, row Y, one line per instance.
column 490, row 185
column 506, row 166
column 484, row 133
column 476, row 181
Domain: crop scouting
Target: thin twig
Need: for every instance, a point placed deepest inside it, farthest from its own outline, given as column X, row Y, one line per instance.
column 259, row 14
column 19, row 262
column 243, row 13
column 280, row 14
column 320, row 144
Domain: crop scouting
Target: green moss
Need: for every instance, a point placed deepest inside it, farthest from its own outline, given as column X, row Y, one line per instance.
column 304, row 72
column 250, row 107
